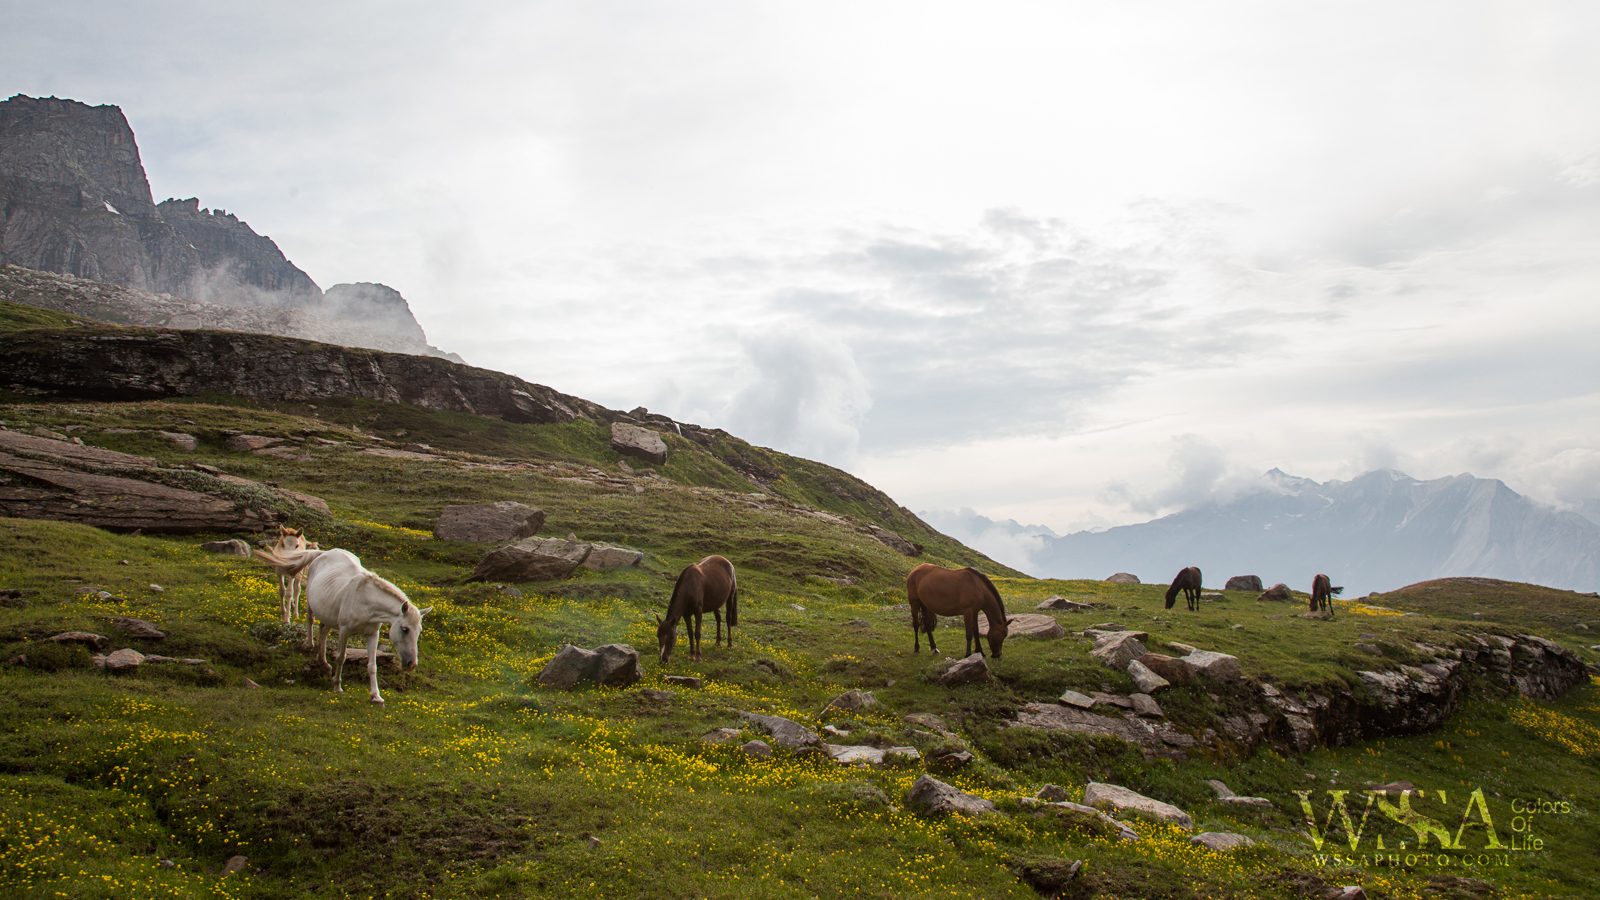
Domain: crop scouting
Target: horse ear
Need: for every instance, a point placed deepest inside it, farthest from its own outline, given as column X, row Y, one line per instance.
column 423, row 612
column 658, row 619
column 1010, row 620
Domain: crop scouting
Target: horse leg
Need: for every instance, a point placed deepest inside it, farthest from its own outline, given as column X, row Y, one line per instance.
column 694, row 636
column 322, row 646
column 971, row 618
column 338, row 671
column 372, row 663
column 717, row 614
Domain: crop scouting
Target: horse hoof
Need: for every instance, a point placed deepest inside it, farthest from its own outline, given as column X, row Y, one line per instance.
column 378, row 701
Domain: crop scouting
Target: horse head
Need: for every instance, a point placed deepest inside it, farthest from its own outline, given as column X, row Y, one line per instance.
column 666, row 639
column 404, row 631
column 997, row 636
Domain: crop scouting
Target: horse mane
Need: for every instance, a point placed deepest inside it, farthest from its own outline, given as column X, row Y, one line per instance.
column 674, row 612
column 993, row 590
column 388, row 587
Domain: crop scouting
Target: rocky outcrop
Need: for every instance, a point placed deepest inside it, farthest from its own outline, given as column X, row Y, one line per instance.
column 42, row 478
column 787, row 733
column 612, row 556
column 503, row 520
column 1118, row 648
column 1027, row 625
column 970, row 670
column 237, row 267
column 378, row 307
column 1123, row 578
column 1244, row 583
column 1157, row 739
column 142, row 364
column 894, row 541
column 534, row 559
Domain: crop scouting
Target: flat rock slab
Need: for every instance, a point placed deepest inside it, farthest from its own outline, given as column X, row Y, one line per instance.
column 641, row 443
column 789, row 734
column 1083, row 817
column 932, row 797
column 1027, row 625
column 688, row 681
column 1221, row 841
column 928, row 720
column 970, row 670
column 612, row 556
column 1213, row 666
column 1124, row 799
column 1167, row 667
column 503, row 520
column 137, row 628
column 1145, row 705
column 1159, row 737
column 871, row 756
column 244, row 443
column 1073, row 698
column 86, row 638
column 533, row 559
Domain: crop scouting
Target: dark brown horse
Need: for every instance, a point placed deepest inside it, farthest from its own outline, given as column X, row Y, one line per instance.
column 934, row 591
column 1187, row 581
column 702, row 588
column 1322, row 592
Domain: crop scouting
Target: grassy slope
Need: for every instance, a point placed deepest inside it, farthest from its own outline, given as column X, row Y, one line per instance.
column 473, row 783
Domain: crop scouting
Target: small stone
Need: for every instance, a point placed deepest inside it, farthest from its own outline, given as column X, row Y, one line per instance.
column 1073, row 698
column 1123, row 798
column 138, row 628
column 1221, row 841
column 720, row 735
column 594, row 843
column 1369, row 648
column 234, row 864
column 971, row 670
column 250, row 684
column 851, row 701
column 1145, row 705
column 688, row 681
column 1147, row 681
column 653, row 694
column 157, row 588
column 234, row 547
column 1051, row 793
column 89, row 639
column 1350, row 892
column 123, row 562
column 1223, row 791
column 125, row 660
column 931, row 796
column 759, row 749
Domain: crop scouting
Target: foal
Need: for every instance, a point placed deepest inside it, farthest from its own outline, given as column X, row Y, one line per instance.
column 339, row 591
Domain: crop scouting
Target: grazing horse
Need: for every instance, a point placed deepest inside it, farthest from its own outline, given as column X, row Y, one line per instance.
column 339, row 591
column 1187, row 581
column 934, row 591
column 701, row 588
column 1322, row 592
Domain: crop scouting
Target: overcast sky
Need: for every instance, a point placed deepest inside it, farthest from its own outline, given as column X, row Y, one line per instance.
column 1074, row 264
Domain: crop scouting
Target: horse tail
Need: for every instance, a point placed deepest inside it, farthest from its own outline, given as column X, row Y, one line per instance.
column 995, row 591
column 733, row 600
column 289, row 562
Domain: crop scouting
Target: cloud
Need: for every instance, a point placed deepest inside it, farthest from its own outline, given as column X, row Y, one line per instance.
column 806, row 397
column 1006, row 541
column 1200, row 475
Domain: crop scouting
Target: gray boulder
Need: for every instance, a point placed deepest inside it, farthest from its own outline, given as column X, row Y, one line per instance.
column 1118, row 648
column 613, row 665
column 788, row 734
column 1221, row 841
column 1123, row 578
column 758, row 749
column 533, row 559
column 88, row 639
column 971, row 670
column 720, row 735
column 1169, row 668
column 503, row 520
column 1073, row 698
column 234, row 547
column 125, row 660
column 1123, row 799
column 1213, row 666
column 138, row 628
column 616, row 665
column 1278, row 593
column 1244, row 583
column 641, row 443
column 1146, row 705
column 851, row 700
column 1147, row 681
column 1027, row 625
column 612, row 556
column 1051, row 793
column 931, row 797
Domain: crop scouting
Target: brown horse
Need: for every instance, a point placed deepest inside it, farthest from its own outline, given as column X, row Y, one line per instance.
column 703, row 587
column 1322, row 592
column 1187, row 581
column 934, row 591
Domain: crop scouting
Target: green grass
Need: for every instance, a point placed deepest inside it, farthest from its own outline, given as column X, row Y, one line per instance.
column 473, row 782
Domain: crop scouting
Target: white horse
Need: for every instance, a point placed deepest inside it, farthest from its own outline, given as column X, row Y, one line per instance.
column 339, row 591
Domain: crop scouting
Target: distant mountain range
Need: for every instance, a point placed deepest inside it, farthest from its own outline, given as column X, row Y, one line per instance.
column 1376, row 532
column 74, row 200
